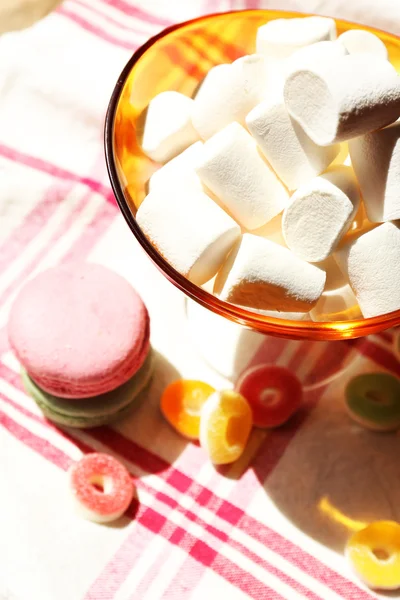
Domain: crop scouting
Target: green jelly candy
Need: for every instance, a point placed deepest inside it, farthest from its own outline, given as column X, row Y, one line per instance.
column 373, row 400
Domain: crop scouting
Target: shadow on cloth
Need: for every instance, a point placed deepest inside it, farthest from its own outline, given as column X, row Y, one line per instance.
column 142, row 439
column 334, row 476
column 144, row 434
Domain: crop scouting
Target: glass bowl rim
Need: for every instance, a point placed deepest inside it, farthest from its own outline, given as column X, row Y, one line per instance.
column 321, row 330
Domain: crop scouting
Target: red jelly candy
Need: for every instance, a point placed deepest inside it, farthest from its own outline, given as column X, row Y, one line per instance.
column 273, row 393
column 101, row 486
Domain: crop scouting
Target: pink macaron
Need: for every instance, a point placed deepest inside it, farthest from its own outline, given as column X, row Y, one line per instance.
column 79, row 330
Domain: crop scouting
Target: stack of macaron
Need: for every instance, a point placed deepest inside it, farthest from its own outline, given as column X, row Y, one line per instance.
column 81, row 334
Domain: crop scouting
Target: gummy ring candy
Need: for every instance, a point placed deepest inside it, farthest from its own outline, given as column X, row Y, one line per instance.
column 274, row 394
column 225, row 425
column 101, row 487
column 181, row 404
column 373, row 400
column 374, row 554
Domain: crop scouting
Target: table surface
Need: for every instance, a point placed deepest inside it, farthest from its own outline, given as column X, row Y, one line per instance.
column 272, row 525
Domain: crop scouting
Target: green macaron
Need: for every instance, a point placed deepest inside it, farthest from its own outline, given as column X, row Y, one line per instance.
column 96, row 411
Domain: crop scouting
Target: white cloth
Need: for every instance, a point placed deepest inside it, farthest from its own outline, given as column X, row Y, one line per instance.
column 197, row 533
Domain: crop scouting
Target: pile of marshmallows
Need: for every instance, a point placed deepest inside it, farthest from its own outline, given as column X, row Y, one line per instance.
column 251, row 195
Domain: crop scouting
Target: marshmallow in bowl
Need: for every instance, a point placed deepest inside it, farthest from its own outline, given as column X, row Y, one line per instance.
column 371, row 263
column 337, row 305
column 261, row 274
column 168, row 126
column 208, row 114
column 292, row 154
column 320, row 212
column 256, row 200
column 334, row 276
column 309, row 55
column 279, row 38
column 233, row 169
column 228, row 93
column 189, row 230
column 179, row 172
column 376, row 161
column 358, row 41
column 340, row 99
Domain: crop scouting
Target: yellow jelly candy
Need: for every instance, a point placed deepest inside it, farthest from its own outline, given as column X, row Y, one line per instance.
column 181, row 404
column 225, row 425
column 374, row 553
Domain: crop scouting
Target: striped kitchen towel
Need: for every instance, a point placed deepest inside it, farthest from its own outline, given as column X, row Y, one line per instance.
column 271, row 526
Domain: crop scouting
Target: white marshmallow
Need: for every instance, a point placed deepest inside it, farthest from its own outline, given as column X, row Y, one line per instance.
column 189, row 230
column 319, row 213
column 292, row 154
column 334, row 276
column 263, row 275
column 355, row 232
column 235, row 172
column 228, row 93
column 359, row 41
column 337, row 305
column 339, row 99
column 371, row 263
column 309, row 55
column 376, row 162
column 168, row 126
column 179, row 171
column 279, row 38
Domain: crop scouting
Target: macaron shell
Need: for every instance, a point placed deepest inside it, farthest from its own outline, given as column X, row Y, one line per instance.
column 79, row 330
column 75, row 391
column 84, row 422
column 97, row 411
column 90, row 422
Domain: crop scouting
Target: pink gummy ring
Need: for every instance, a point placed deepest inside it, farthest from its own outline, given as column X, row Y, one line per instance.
column 79, row 330
column 101, row 487
column 273, row 393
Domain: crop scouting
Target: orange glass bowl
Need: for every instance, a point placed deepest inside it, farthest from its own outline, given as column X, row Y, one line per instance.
column 178, row 58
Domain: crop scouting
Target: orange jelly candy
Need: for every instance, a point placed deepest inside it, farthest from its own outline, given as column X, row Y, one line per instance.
column 374, row 554
column 181, row 404
column 225, row 425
